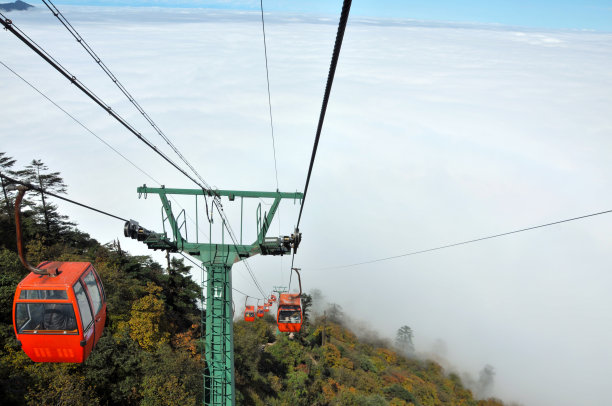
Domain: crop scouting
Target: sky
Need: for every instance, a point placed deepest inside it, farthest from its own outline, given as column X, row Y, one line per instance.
column 436, row 132
column 586, row 14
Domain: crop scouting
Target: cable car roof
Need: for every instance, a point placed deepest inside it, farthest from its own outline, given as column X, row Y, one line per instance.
column 289, row 299
column 69, row 274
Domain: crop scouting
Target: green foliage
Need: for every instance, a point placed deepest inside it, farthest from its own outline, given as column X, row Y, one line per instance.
column 343, row 371
column 149, row 353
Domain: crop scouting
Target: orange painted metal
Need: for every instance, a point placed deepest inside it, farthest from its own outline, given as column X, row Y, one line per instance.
column 249, row 313
column 289, row 314
column 260, row 311
column 42, row 300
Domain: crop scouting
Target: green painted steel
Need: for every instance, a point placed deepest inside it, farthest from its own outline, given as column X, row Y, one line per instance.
column 219, row 387
column 231, row 194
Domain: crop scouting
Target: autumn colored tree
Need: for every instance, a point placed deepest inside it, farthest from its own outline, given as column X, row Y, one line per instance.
column 148, row 319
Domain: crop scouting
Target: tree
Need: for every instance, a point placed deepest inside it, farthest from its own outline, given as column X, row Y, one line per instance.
column 6, row 163
column 403, row 340
column 306, row 305
column 485, row 381
column 334, row 313
column 37, row 173
column 181, row 295
column 147, row 321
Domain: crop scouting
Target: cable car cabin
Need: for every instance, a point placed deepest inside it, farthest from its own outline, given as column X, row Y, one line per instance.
column 289, row 314
column 260, row 311
column 273, row 298
column 60, row 318
column 266, row 308
column 249, row 313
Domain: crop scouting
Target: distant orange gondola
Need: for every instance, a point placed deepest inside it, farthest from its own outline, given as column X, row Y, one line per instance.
column 249, row 313
column 289, row 314
column 260, row 311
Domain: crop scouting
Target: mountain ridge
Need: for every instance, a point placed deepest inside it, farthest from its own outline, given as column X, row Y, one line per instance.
column 16, row 5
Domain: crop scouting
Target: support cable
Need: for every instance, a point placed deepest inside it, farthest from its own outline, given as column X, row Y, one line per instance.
column 263, row 27
column 200, row 266
column 38, row 189
column 78, row 122
column 346, row 8
column 469, row 241
column 92, row 133
column 110, row 74
column 8, row 25
column 230, row 231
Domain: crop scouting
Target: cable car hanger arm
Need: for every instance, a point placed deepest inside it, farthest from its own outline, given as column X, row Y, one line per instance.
column 21, row 192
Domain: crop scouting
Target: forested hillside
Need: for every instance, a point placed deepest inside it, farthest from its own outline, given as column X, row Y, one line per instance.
column 150, row 353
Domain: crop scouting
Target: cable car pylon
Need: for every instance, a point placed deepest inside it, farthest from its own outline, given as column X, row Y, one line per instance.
column 217, row 258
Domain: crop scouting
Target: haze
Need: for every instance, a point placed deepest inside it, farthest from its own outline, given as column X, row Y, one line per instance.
column 436, row 133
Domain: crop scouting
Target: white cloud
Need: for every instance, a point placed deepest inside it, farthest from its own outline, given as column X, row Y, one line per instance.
column 435, row 133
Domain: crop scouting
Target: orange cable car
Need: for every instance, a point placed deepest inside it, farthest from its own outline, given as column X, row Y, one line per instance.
column 249, row 313
column 266, row 308
column 60, row 318
column 289, row 314
column 273, row 298
column 59, row 309
column 260, row 311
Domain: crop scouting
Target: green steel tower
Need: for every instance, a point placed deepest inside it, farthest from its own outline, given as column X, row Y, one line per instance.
column 218, row 259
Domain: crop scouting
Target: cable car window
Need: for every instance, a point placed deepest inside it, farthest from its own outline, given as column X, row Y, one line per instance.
column 100, row 285
column 43, row 294
column 289, row 315
column 84, row 308
column 94, row 293
column 45, row 318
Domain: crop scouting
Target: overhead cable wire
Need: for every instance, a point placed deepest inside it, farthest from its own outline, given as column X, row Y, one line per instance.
column 8, row 25
column 80, row 123
column 263, row 27
column 346, row 8
column 200, row 266
column 57, row 13
column 38, row 189
column 469, row 241
column 204, row 185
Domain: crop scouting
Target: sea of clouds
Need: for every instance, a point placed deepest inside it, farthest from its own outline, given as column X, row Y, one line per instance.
column 436, row 133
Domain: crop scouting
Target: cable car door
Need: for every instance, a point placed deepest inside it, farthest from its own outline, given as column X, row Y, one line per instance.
column 92, row 282
column 87, row 322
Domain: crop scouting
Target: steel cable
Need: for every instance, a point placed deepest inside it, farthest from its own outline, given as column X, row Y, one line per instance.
column 9, row 26
column 38, row 189
column 469, row 241
column 57, row 13
column 346, row 8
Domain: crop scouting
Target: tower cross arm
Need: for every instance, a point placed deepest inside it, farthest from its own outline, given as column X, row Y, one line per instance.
column 231, row 194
